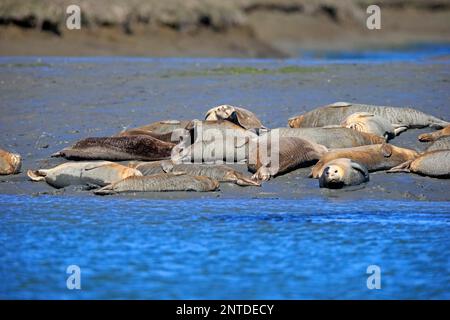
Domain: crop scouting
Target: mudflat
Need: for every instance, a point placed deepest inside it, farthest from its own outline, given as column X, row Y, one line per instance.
column 49, row 103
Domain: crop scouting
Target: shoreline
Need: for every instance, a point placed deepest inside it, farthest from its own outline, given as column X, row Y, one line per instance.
column 240, row 28
column 51, row 105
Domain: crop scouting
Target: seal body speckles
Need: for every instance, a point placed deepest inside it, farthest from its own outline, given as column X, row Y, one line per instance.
column 332, row 137
column 335, row 114
column 433, row 164
column 161, row 183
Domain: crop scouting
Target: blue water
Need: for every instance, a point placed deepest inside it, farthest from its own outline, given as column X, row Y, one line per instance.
column 213, row 249
column 410, row 53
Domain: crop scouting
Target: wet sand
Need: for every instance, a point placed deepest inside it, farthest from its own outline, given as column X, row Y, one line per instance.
column 49, row 103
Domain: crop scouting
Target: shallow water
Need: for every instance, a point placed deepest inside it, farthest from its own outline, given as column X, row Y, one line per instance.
column 213, row 249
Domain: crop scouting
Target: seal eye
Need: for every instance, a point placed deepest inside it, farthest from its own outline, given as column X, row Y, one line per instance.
column 335, row 171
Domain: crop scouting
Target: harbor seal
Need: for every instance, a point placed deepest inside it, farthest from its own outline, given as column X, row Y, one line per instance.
column 374, row 124
column 161, row 183
column 343, row 172
column 442, row 143
column 335, row 113
column 269, row 158
column 433, row 164
column 118, row 149
column 164, row 126
column 240, row 116
column 10, row 163
column 332, row 138
column 221, row 173
column 99, row 173
column 168, row 130
column 374, row 157
column 445, row 132
column 214, row 141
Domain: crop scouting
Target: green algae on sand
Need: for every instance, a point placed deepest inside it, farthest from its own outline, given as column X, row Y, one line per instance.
column 242, row 70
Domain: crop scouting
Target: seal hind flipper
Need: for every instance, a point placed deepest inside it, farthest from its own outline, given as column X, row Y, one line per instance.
column 35, row 175
column 404, row 167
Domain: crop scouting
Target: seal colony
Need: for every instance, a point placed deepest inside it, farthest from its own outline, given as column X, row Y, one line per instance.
column 342, row 142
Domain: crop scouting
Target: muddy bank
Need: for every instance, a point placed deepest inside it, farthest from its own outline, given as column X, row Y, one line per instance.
column 239, row 28
column 49, row 103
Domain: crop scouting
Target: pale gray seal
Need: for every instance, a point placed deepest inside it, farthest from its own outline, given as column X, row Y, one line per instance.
column 433, row 164
column 335, row 113
column 161, row 182
column 221, row 173
column 374, row 124
column 442, row 143
column 100, row 173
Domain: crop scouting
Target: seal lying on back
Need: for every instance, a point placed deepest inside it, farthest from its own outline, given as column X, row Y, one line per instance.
column 161, row 182
column 435, row 135
column 434, row 164
column 221, row 173
column 374, row 157
column 118, row 148
column 10, row 163
column 332, row 137
column 374, row 124
column 269, row 158
column 335, row 113
column 343, row 172
column 440, row 144
column 240, row 116
column 100, row 173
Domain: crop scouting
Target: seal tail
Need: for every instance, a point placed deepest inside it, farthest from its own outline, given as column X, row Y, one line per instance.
column 243, row 181
column 105, row 191
column 57, row 154
column 426, row 137
column 37, row 175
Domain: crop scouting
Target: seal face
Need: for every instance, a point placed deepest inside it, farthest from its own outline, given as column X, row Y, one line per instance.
column 240, row 116
column 10, row 163
column 374, row 157
column 343, row 172
column 118, row 148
